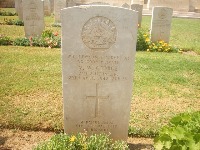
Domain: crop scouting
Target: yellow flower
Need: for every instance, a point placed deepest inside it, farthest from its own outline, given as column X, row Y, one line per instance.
column 73, row 138
column 147, row 50
column 145, row 35
column 147, row 40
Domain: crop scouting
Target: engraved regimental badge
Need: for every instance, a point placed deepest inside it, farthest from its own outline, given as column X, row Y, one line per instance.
column 162, row 14
column 99, row 33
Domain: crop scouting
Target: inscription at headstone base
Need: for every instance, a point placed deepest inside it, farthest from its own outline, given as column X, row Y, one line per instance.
column 161, row 24
column 138, row 8
column 33, row 17
column 98, row 53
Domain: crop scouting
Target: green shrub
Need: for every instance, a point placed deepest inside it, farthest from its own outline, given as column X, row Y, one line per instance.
column 145, row 44
column 21, row 42
column 82, row 142
column 182, row 133
column 5, row 13
column 4, row 40
column 142, row 45
column 13, row 22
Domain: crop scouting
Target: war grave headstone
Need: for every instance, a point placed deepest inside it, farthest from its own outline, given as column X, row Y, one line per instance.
column 138, row 8
column 125, row 5
column 52, row 6
column 161, row 24
column 19, row 9
column 47, row 8
column 58, row 5
column 33, row 17
column 98, row 53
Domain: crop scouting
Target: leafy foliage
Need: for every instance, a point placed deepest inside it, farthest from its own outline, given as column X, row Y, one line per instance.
column 182, row 133
column 13, row 22
column 82, row 142
column 7, row 13
column 145, row 44
column 47, row 39
column 4, row 40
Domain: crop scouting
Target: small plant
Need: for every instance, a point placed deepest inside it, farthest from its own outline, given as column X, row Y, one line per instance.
column 4, row 40
column 5, row 13
column 13, row 22
column 82, row 142
column 145, row 44
column 21, row 42
column 142, row 44
column 182, row 133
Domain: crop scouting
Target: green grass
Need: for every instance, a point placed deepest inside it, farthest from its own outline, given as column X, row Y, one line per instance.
column 164, row 85
column 185, row 33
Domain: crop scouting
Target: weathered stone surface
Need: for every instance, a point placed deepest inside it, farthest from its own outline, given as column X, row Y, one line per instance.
column 47, row 8
column 33, row 17
column 52, row 6
column 19, row 9
column 58, row 5
column 138, row 8
column 98, row 53
column 177, row 5
column 161, row 24
column 125, row 5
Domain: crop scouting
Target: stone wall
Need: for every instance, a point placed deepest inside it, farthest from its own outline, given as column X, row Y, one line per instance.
column 7, row 3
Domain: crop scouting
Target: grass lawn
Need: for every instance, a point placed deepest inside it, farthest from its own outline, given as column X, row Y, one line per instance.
column 31, row 90
column 165, row 84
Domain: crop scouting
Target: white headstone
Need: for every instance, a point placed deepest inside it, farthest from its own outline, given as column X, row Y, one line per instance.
column 33, row 17
column 125, row 5
column 58, row 5
column 52, row 6
column 138, row 8
column 19, row 9
column 47, row 8
column 161, row 24
column 98, row 54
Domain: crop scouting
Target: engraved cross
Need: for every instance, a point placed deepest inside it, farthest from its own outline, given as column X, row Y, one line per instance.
column 97, row 100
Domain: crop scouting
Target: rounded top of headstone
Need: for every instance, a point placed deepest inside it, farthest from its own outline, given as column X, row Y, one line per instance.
column 99, row 33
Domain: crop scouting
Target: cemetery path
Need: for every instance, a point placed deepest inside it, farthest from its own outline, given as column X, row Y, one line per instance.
column 26, row 140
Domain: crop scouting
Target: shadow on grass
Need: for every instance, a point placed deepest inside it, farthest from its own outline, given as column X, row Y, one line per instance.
column 140, row 146
column 2, row 142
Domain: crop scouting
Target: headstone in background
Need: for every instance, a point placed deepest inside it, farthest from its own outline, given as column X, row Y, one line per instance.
column 161, row 24
column 58, row 5
column 47, row 8
column 52, row 6
column 138, row 8
column 19, row 9
column 33, row 17
column 71, row 3
column 125, row 5
column 98, row 54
